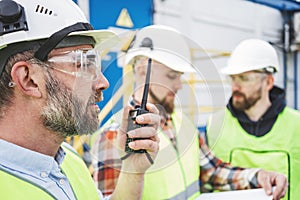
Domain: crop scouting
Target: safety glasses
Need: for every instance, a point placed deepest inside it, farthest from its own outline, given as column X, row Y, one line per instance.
column 79, row 63
column 247, row 79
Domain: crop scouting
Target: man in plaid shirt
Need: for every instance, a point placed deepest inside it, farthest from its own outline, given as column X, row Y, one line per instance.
column 196, row 165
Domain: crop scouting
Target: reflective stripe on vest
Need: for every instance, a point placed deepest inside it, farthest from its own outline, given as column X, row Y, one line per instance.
column 175, row 175
column 278, row 150
column 192, row 191
column 14, row 187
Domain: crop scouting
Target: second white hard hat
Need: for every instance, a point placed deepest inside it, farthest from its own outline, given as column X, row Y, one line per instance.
column 169, row 47
column 252, row 54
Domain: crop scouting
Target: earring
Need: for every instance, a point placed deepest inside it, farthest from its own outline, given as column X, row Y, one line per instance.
column 11, row 84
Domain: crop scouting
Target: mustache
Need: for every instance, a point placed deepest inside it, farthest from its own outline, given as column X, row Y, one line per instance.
column 237, row 93
column 173, row 92
column 98, row 96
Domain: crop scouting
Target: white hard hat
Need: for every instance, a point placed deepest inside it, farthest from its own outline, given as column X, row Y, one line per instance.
column 31, row 20
column 169, row 47
column 252, row 54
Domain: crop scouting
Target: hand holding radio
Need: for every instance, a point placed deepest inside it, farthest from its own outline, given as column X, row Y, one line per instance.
column 148, row 142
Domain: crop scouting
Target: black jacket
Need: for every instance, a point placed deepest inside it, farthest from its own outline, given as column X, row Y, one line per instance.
column 265, row 123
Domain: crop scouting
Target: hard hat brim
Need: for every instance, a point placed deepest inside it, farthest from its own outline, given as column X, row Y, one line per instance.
column 168, row 58
column 236, row 70
column 104, row 39
column 232, row 70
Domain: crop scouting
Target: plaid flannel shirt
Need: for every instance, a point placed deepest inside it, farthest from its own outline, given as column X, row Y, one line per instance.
column 214, row 174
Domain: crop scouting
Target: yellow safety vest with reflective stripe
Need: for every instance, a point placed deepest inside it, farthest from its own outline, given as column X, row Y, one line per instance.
column 175, row 175
column 14, row 187
column 278, row 150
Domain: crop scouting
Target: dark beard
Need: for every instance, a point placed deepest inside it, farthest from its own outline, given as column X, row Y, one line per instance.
column 248, row 102
column 65, row 113
column 162, row 105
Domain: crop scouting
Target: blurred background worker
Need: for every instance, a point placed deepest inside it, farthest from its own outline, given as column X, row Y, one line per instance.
column 257, row 129
column 50, row 81
column 175, row 174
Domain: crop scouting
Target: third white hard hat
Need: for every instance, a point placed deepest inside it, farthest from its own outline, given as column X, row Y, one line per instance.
column 252, row 54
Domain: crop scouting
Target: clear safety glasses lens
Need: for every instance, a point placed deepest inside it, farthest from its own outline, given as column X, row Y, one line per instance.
column 244, row 80
column 80, row 63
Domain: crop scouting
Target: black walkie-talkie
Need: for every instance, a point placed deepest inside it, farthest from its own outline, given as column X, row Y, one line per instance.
column 139, row 110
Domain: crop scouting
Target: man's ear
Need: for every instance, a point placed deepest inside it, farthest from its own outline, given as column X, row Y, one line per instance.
column 270, row 82
column 26, row 79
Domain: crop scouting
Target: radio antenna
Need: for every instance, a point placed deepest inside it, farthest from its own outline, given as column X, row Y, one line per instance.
column 147, row 42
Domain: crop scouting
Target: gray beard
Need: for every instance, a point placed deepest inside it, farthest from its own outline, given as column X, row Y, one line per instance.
column 65, row 113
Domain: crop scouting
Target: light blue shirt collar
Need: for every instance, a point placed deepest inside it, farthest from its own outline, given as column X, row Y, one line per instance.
column 19, row 159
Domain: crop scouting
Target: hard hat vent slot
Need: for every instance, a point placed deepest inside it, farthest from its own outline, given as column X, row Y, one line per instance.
column 43, row 10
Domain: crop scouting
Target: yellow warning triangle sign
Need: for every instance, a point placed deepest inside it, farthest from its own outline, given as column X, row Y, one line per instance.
column 124, row 19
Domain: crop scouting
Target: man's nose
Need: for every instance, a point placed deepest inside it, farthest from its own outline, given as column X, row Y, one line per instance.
column 101, row 83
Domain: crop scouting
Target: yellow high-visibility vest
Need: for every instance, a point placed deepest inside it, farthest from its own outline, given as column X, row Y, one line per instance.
column 175, row 175
column 278, row 150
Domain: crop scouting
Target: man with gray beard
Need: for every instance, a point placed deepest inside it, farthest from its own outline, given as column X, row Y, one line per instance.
column 257, row 129
column 50, row 81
